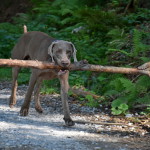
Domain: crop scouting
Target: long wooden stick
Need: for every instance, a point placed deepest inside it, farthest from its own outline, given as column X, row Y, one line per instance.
column 77, row 66
column 98, row 122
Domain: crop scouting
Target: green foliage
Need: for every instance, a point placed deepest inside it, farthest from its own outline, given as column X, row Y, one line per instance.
column 138, row 17
column 50, row 87
column 99, row 20
column 91, row 101
column 23, row 77
column 47, row 90
column 138, row 46
column 5, row 74
column 128, row 93
column 119, row 109
column 127, row 48
column 101, row 34
column 8, row 37
column 118, row 37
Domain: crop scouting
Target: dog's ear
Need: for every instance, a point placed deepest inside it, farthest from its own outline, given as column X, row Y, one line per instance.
column 74, row 52
column 50, row 50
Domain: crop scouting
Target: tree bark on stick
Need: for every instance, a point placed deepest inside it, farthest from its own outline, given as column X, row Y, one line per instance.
column 80, row 66
column 98, row 122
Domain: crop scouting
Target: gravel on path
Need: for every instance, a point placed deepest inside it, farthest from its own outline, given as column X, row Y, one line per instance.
column 47, row 131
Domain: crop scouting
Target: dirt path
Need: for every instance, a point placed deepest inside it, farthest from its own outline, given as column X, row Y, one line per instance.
column 47, row 131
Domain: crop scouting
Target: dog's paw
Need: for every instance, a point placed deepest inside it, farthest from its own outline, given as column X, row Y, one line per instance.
column 69, row 122
column 24, row 111
column 11, row 105
column 39, row 109
column 12, row 102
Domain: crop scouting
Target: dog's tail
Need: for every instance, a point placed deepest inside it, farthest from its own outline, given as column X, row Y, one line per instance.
column 25, row 29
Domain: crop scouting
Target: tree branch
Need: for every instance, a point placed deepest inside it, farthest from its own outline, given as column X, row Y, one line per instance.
column 98, row 122
column 80, row 66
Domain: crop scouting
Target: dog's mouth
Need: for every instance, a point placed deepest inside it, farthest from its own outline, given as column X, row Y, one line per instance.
column 62, row 71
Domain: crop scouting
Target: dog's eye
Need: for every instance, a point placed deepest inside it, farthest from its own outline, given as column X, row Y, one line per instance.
column 58, row 51
column 68, row 53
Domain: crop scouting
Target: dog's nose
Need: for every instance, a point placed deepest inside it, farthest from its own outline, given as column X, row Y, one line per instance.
column 65, row 63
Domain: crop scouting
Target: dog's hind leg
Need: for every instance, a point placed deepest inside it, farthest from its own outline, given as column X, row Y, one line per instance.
column 36, row 95
column 15, row 72
column 25, row 107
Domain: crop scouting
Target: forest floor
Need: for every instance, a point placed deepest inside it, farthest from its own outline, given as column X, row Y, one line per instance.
column 47, row 131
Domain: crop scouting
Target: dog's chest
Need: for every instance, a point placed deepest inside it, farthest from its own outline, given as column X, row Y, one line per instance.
column 48, row 74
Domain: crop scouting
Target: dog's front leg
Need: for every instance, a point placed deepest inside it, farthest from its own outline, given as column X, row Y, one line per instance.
column 63, row 77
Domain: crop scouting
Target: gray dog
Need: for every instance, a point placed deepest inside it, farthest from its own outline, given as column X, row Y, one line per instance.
column 39, row 46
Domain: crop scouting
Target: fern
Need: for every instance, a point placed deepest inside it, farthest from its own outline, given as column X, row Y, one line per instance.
column 118, row 50
column 128, row 93
column 122, row 83
column 144, row 100
column 127, row 84
column 111, row 92
column 143, row 81
column 98, row 20
column 118, row 37
column 117, row 102
column 138, row 46
column 120, row 42
column 137, row 36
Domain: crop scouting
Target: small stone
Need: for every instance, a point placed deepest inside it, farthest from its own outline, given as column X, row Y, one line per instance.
column 132, row 128
column 143, row 133
column 97, row 148
column 130, row 123
column 129, row 115
column 97, row 116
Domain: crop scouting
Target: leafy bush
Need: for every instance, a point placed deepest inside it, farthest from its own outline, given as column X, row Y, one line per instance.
column 127, row 94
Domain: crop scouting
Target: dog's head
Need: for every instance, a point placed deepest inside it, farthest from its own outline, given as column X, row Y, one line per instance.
column 61, row 52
